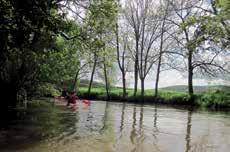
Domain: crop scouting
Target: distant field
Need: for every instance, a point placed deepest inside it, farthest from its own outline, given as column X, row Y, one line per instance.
column 197, row 89
column 100, row 87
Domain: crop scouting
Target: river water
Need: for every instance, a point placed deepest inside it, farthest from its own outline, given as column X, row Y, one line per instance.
column 116, row 127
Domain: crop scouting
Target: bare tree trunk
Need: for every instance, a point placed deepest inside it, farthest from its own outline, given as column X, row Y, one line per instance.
column 92, row 74
column 159, row 62
column 190, row 67
column 136, row 71
column 124, row 84
column 106, row 81
column 158, row 74
column 121, row 65
column 142, row 87
column 161, row 51
column 190, row 74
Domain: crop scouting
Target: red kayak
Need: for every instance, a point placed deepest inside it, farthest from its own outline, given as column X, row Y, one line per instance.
column 60, row 98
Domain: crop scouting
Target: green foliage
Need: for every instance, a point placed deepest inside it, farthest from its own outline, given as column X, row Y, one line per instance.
column 102, row 15
column 224, row 4
column 27, row 31
column 61, row 64
column 46, row 89
column 215, row 99
column 100, row 19
column 214, row 27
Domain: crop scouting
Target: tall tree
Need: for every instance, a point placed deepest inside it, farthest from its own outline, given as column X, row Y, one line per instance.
column 131, row 13
column 122, row 44
column 143, row 21
column 123, row 57
column 162, row 34
column 101, row 20
column 200, row 50
column 25, row 33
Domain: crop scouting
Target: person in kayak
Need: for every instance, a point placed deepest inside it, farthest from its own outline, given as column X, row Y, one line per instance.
column 72, row 97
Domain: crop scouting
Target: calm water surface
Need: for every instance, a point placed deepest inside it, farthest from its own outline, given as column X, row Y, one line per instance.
column 116, row 127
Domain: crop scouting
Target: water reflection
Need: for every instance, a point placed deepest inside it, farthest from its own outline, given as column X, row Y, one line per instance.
column 70, row 131
column 122, row 118
column 133, row 132
column 137, row 135
column 188, row 133
column 105, row 118
column 41, row 121
column 155, row 116
column 155, row 129
column 107, row 127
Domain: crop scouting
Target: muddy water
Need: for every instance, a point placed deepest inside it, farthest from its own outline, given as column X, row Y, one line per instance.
column 116, row 127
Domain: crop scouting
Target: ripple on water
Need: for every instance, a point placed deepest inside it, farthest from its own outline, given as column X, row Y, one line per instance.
column 123, row 127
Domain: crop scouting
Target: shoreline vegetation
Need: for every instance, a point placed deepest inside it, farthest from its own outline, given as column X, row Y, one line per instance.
column 213, row 97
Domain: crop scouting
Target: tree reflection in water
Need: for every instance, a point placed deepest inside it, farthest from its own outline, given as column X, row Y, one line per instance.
column 133, row 133
column 137, row 136
column 108, row 126
column 188, row 133
column 122, row 118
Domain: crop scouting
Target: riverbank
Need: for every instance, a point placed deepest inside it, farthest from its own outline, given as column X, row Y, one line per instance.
column 212, row 99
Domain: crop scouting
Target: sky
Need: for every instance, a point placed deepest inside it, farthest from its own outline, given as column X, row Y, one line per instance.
column 167, row 78
column 171, row 78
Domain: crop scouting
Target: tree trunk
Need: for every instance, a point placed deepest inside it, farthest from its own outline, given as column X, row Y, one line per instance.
column 158, row 75
column 159, row 66
column 142, row 87
column 75, row 81
column 124, row 84
column 106, row 82
column 121, row 65
column 190, row 74
column 160, row 56
column 92, row 74
column 135, row 75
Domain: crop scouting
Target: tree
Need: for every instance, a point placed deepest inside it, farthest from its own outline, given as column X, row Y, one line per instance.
column 143, row 21
column 122, row 40
column 100, row 21
column 200, row 50
column 132, row 17
column 162, row 40
column 25, row 33
column 123, row 56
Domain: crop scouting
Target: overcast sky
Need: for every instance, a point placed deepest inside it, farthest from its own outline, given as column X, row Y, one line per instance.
column 170, row 78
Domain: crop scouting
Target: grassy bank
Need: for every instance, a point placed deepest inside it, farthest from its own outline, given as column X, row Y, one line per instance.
column 212, row 98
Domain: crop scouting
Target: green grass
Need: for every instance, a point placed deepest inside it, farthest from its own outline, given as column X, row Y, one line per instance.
column 211, row 99
column 214, row 97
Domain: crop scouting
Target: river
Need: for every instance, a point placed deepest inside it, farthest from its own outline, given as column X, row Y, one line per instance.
column 116, row 127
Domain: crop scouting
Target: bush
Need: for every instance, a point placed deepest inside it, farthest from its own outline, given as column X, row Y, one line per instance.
column 215, row 100
column 47, row 90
